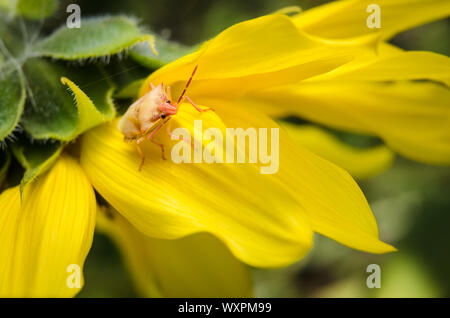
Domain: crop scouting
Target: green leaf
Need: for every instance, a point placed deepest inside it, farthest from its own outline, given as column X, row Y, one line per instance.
column 167, row 52
column 97, row 37
column 5, row 160
column 51, row 111
column 36, row 158
column 11, row 37
column 12, row 97
column 31, row 9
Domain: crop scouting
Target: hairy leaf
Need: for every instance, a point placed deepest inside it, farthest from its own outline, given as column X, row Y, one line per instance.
column 12, row 97
column 36, row 158
column 5, row 160
column 56, row 111
column 97, row 37
column 167, row 52
column 11, row 37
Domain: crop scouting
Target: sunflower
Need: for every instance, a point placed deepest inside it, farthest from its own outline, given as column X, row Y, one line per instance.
column 191, row 229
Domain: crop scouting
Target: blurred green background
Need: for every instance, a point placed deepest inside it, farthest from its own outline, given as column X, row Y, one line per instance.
column 411, row 201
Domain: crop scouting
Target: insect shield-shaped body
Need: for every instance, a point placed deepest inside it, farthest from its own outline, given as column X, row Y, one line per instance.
column 144, row 113
column 145, row 117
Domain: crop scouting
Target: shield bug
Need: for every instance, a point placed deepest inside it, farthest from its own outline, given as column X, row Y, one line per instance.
column 146, row 116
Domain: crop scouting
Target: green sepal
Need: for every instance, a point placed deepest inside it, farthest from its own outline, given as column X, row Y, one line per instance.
column 12, row 97
column 62, row 112
column 35, row 157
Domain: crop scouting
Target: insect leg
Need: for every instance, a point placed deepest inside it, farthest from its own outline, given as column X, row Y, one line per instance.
column 160, row 145
column 195, row 106
column 141, row 153
column 141, row 139
column 153, row 133
column 169, row 130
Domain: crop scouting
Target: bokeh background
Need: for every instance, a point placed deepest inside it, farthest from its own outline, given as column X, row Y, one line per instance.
column 411, row 201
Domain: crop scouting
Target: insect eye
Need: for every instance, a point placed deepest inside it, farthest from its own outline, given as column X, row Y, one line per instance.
column 163, row 115
column 168, row 101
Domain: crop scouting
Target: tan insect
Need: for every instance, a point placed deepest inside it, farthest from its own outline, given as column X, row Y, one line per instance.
column 145, row 117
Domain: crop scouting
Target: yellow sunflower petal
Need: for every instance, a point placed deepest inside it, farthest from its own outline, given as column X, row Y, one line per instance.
column 385, row 49
column 259, row 222
column 348, row 19
column 367, row 58
column 257, row 53
column 195, row 266
column 397, row 66
column 332, row 200
column 44, row 243
column 360, row 163
column 412, row 117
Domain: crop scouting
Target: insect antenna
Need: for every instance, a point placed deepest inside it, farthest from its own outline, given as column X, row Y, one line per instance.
column 187, row 85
